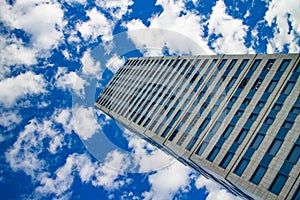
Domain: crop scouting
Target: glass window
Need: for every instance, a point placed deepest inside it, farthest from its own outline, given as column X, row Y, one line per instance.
column 295, row 110
column 244, row 83
column 241, row 167
column 273, row 149
column 258, row 174
column 226, row 160
column 278, row 184
column 271, row 86
column 297, row 69
column 284, row 65
column 269, row 120
column 241, row 136
column 232, row 63
column 257, row 84
column 256, row 142
column 294, row 154
column 287, row 125
column 243, row 64
column 246, row 101
column 255, row 64
column 269, row 64
column 231, row 82
column 253, row 116
column 222, row 64
column 288, row 88
column 239, row 113
column 227, row 131
column 213, row 154
column 277, row 107
column 260, row 104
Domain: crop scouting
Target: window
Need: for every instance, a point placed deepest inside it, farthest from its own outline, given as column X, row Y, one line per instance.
column 284, row 65
column 233, row 99
column 295, row 110
column 222, row 64
column 297, row 69
column 287, row 125
column 288, row 88
column 226, row 160
column 255, row 64
column 273, row 149
column 294, row 154
column 253, row 116
column 258, row 174
column 232, row 63
column 269, row 120
column 231, row 82
column 296, row 194
column 241, row 167
column 277, row 107
column 271, row 86
column 269, row 64
column 244, row 83
column 241, row 136
column 239, row 113
column 246, row 101
column 257, row 84
column 260, row 104
column 227, row 131
column 278, row 183
column 243, row 64
column 256, row 142
column 213, row 154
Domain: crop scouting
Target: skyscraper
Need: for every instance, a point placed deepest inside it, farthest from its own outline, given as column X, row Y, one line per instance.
column 233, row 118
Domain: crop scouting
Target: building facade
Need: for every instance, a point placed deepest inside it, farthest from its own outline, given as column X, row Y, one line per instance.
column 233, row 118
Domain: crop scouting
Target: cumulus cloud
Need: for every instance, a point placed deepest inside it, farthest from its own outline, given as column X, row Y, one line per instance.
column 20, row 86
column 230, row 32
column 71, row 80
column 97, row 25
column 90, row 67
column 286, row 18
column 85, row 124
column 89, row 172
column 9, row 118
column 215, row 192
column 23, row 155
column 114, row 63
column 13, row 52
column 166, row 30
column 42, row 20
column 165, row 184
column 116, row 8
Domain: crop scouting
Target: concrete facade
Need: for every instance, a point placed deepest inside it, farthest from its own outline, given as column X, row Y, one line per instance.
column 233, row 118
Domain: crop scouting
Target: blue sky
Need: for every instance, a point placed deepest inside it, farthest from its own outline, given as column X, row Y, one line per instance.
column 55, row 58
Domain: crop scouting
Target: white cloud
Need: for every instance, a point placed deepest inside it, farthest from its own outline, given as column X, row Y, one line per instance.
column 23, row 155
column 280, row 14
column 116, row 8
column 14, row 52
column 232, row 31
column 9, row 118
column 70, row 80
column 76, row 1
column 42, row 20
column 114, row 63
column 167, row 182
column 84, row 122
column 97, row 25
column 90, row 67
column 166, row 30
column 215, row 192
column 17, row 87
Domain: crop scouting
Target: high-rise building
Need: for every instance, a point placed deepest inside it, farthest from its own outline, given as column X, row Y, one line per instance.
column 233, row 118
